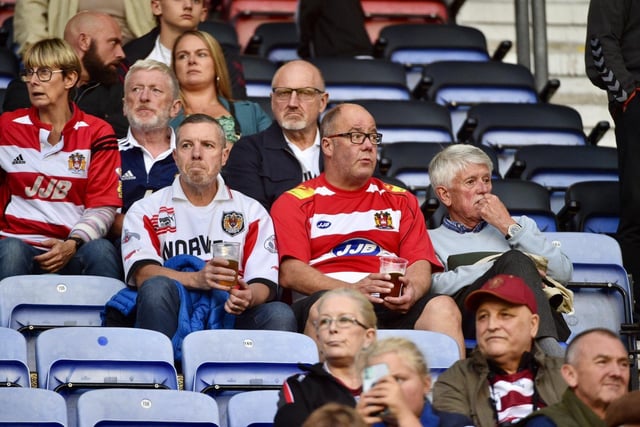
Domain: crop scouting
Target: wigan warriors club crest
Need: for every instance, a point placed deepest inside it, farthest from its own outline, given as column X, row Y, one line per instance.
column 77, row 163
column 232, row 223
column 383, row 220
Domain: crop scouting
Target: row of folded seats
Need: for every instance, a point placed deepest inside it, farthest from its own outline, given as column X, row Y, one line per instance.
column 232, row 369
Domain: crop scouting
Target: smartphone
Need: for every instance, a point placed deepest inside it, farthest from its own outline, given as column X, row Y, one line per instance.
column 372, row 375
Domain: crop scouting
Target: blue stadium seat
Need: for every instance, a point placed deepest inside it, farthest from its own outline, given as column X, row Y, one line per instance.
column 153, row 408
column 440, row 350
column 13, row 359
column 31, row 407
column 263, row 404
column 214, row 361
column 33, row 303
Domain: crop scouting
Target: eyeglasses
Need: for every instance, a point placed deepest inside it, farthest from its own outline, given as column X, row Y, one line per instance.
column 44, row 74
column 304, row 94
column 359, row 137
column 342, row 322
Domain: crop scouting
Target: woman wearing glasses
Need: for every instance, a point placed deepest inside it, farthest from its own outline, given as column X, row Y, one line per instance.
column 205, row 87
column 59, row 174
column 345, row 327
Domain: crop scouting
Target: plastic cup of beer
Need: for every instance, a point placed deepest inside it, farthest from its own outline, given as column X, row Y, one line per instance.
column 231, row 252
column 395, row 267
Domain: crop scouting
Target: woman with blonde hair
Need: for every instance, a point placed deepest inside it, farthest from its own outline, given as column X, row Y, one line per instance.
column 345, row 327
column 400, row 398
column 205, row 87
column 59, row 169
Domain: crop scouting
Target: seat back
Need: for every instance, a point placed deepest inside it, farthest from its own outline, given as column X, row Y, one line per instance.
column 276, row 41
column 461, row 84
column 349, row 78
column 507, row 126
column 157, row 408
column 557, row 167
column 9, row 66
column 76, row 358
column 440, row 350
column 31, row 407
column 252, row 408
column 412, row 120
column 258, row 72
column 410, row 162
column 602, row 291
column 591, row 206
column 214, row 361
column 13, row 359
column 526, row 198
column 246, row 15
column 33, row 303
column 382, row 13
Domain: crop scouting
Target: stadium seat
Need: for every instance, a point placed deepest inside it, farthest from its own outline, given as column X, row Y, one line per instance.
column 409, row 162
column 33, row 303
column 349, row 78
column 31, row 407
column 276, row 41
column 13, row 359
column 460, row 84
column 258, row 73
column 263, row 406
column 508, row 126
column 137, row 408
column 382, row 13
column 214, row 361
column 440, row 350
column 557, row 167
column 591, row 206
column 222, row 31
column 246, row 15
column 409, row 120
column 74, row 358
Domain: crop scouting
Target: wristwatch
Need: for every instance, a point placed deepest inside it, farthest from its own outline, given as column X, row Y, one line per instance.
column 512, row 230
column 79, row 241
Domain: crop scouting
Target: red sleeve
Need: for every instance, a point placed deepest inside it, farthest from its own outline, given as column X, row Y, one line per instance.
column 103, row 183
column 292, row 227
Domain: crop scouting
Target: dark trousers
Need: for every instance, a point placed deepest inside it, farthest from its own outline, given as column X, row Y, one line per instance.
column 628, row 143
column 514, row 262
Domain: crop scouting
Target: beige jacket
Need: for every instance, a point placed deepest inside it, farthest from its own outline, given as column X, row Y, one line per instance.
column 35, row 20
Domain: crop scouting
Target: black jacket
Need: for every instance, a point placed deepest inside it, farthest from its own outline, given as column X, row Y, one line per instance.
column 93, row 98
column 303, row 393
column 262, row 166
column 332, row 28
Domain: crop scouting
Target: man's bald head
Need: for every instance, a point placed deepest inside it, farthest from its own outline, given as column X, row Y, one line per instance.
column 97, row 40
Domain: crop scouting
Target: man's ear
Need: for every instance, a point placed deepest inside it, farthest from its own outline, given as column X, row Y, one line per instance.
column 326, row 146
column 443, row 195
column 570, row 375
column 156, row 7
column 84, row 42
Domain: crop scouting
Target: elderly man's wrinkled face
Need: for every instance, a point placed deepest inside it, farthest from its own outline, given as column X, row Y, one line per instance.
column 600, row 372
column 504, row 331
column 468, row 187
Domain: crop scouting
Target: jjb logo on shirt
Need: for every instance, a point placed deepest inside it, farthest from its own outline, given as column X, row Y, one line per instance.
column 357, row 247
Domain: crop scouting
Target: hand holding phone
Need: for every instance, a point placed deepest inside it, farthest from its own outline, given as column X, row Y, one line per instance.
column 372, row 374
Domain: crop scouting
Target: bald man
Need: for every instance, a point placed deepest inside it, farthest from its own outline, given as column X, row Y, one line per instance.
column 97, row 40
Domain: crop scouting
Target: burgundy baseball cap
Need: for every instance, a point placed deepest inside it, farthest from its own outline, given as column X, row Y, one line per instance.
column 506, row 287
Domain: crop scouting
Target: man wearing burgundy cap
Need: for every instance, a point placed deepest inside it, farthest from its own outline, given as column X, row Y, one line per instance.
column 507, row 376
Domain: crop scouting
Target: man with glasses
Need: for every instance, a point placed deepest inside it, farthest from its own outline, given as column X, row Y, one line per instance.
column 332, row 230
column 266, row 164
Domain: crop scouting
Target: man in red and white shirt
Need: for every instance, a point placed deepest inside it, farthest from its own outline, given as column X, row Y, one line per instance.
column 331, row 231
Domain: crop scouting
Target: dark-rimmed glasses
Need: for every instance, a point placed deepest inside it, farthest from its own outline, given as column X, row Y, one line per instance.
column 342, row 322
column 44, row 74
column 359, row 137
column 304, row 94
